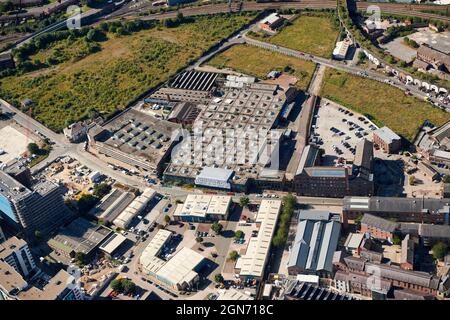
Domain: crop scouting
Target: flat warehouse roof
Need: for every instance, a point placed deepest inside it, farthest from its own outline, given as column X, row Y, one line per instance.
column 201, row 205
column 180, row 268
column 111, row 244
column 254, row 260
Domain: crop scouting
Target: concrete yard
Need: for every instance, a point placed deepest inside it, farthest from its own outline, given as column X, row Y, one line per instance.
column 399, row 50
column 13, row 143
column 439, row 41
column 328, row 116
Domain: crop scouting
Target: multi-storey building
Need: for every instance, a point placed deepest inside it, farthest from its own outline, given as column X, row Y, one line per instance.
column 402, row 209
column 387, row 140
column 40, row 208
column 16, row 253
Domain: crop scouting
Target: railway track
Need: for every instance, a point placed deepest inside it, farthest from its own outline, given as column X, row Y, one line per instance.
column 393, row 8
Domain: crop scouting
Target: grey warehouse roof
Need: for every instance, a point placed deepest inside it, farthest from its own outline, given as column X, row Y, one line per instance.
column 379, row 223
column 392, row 204
column 314, row 245
column 194, row 80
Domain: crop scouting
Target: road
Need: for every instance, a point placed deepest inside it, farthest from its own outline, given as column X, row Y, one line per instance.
column 349, row 68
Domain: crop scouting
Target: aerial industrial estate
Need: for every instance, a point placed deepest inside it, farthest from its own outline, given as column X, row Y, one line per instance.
column 176, row 150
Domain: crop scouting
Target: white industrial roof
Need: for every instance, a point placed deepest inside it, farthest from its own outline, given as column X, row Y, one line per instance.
column 200, row 205
column 255, row 258
column 271, row 19
column 180, row 268
column 441, row 154
column 149, row 259
column 309, row 278
column 214, row 177
column 341, row 48
column 134, row 208
column 233, row 294
column 353, row 240
column 113, row 243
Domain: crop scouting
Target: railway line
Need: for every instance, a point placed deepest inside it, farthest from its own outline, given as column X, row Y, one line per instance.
column 392, row 8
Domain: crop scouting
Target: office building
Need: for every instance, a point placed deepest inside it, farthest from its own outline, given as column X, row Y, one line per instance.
column 401, row 209
column 62, row 286
column 203, row 208
column 17, row 254
column 313, row 179
column 378, row 227
column 387, row 140
column 40, row 208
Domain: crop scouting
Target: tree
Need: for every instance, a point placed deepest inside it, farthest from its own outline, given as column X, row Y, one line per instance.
column 166, row 218
column 446, row 179
column 128, row 286
column 234, row 255
column 116, row 285
column 244, row 201
column 86, row 203
column 439, row 250
column 101, row 190
column 180, row 16
column 33, row 148
column 411, row 180
column 396, row 240
column 218, row 278
column 80, row 259
column 125, row 286
column 217, row 227
column 199, row 239
column 238, row 235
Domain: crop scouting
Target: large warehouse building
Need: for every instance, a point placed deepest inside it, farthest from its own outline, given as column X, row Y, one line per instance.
column 252, row 264
column 203, row 208
column 136, row 139
column 315, row 242
column 179, row 272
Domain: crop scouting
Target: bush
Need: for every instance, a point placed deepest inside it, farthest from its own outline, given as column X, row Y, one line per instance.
column 86, row 203
column 101, row 190
column 244, row 201
column 234, row 255
column 80, row 259
column 199, row 239
column 218, row 278
column 217, row 227
column 439, row 250
column 125, row 286
column 238, row 234
column 280, row 237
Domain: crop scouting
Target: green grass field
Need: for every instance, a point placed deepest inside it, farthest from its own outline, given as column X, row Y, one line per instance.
column 259, row 62
column 315, row 34
column 125, row 67
column 382, row 103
